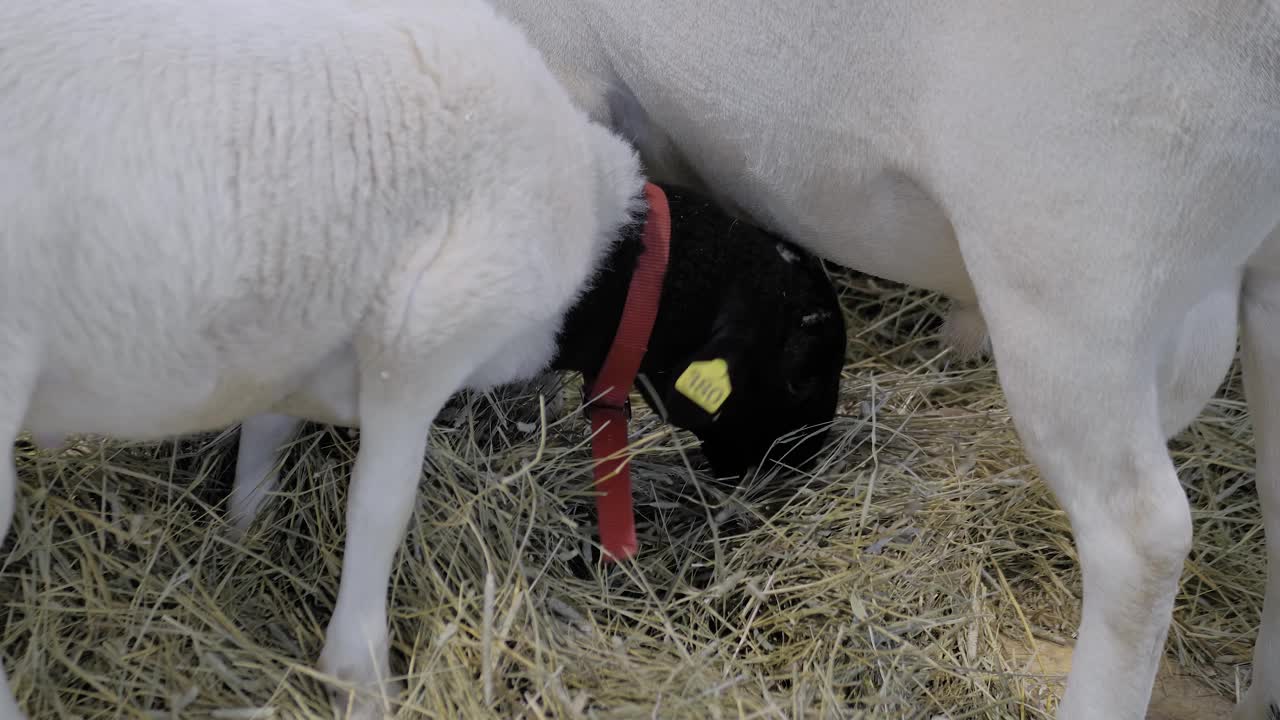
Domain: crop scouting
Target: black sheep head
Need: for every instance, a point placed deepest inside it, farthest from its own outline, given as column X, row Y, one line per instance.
column 764, row 384
column 763, row 388
column 749, row 341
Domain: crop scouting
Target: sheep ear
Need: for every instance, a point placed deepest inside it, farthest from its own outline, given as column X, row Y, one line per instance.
column 711, row 380
column 705, row 384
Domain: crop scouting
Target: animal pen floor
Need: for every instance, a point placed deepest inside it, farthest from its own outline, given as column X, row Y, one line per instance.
column 907, row 578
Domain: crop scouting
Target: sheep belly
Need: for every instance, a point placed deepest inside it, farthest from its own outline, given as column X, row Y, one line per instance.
column 161, row 389
column 187, row 342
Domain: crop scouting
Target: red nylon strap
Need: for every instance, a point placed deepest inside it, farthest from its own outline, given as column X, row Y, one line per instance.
column 608, row 394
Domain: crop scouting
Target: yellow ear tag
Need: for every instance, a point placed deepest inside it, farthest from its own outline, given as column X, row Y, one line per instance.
column 706, row 383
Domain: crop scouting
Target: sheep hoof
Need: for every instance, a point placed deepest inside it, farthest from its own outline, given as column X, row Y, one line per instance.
column 351, row 707
column 358, row 694
column 366, row 701
column 237, row 530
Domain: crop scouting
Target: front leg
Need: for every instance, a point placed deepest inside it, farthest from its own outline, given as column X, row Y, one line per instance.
column 8, row 495
column 18, row 376
column 394, row 420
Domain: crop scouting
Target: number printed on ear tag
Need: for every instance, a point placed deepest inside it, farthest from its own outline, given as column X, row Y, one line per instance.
column 706, row 383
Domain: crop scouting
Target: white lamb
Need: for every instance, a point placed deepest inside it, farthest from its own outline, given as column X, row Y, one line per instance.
column 209, row 206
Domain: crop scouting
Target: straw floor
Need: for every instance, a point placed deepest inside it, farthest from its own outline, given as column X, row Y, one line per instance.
column 910, row 576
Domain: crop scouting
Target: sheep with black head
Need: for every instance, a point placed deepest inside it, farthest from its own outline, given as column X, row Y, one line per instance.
column 754, row 314
column 736, row 300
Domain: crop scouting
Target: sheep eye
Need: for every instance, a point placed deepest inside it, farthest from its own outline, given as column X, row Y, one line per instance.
column 799, row 388
column 814, row 318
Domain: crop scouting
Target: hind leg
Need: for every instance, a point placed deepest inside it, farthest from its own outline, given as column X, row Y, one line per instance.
column 1261, row 319
column 1078, row 361
column 1087, row 411
column 257, row 471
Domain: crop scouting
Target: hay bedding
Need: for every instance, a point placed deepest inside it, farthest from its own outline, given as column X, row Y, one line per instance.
column 903, row 579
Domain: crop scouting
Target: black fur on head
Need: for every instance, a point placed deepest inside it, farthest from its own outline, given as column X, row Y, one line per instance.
column 735, row 293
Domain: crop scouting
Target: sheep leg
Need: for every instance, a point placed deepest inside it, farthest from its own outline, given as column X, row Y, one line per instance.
column 8, row 490
column 16, row 385
column 396, row 407
column 1079, row 363
column 257, row 467
column 380, row 502
column 1261, row 315
column 1093, row 429
column 9, row 709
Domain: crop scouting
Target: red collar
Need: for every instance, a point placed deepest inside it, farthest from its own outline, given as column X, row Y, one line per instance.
column 608, row 406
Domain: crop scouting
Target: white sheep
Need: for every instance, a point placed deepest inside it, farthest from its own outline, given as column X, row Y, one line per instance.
column 1098, row 181
column 208, row 207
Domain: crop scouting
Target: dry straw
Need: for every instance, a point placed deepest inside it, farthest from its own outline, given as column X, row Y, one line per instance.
column 896, row 581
